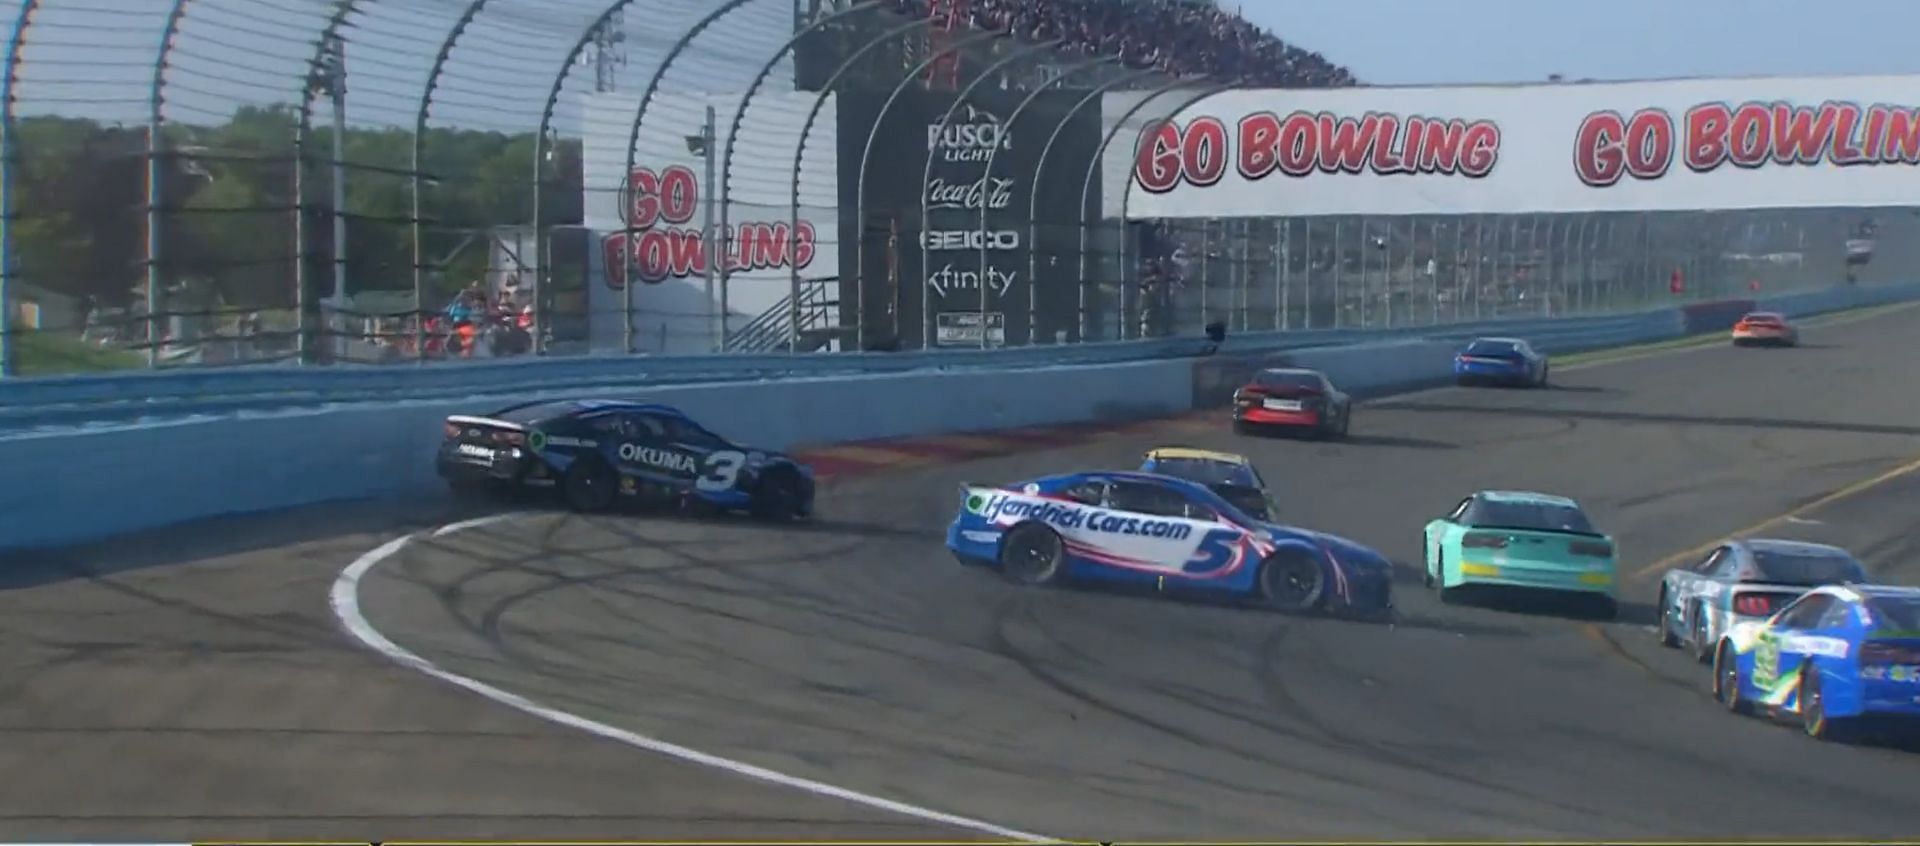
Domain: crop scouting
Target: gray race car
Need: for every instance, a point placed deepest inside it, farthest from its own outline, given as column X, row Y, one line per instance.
column 1744, row 580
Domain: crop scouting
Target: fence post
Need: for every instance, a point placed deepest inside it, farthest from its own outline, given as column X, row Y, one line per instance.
column 719, row 251
column 156, row 172
column 9, row 155
column 827, row 89
column 1033, row 194
column 414, row 181
column 866, row 156
column 1040, row 167
column 938, row 130
column 541, row 277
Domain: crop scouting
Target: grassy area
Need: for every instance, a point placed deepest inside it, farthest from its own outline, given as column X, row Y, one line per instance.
column 46, row 354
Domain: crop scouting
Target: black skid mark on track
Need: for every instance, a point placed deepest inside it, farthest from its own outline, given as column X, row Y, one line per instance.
column 1460, row 756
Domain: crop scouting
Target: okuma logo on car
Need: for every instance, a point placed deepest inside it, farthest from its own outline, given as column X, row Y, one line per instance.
column 970, row 135
column 664, row 459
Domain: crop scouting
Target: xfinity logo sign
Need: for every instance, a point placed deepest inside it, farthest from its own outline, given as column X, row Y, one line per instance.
column 960, row 239
column 949, row 279
column 970, row 135
column 989, row 193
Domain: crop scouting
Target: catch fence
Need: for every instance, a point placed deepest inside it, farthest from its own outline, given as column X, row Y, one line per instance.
column 216, row 182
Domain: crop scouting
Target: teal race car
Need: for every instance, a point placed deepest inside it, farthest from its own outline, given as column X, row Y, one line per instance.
column 1520, row 539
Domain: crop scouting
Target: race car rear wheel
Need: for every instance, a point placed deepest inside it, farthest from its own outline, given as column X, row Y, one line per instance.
column 1813, row 706
column 1546, row 372
column 1702, row 638
column 589, row 485
column 1032, row 554
column 1726, row 681
column 1293, row 581
column 1667, row 638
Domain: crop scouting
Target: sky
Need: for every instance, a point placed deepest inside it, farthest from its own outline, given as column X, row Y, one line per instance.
column 96, row 57
column 1414, row 42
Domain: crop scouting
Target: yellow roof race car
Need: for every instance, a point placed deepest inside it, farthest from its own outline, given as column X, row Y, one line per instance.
column 1228, row 474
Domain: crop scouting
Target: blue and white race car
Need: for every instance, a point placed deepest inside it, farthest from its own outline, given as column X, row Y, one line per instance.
column 597, row 452
column 1841, row 657
column 1144, row 528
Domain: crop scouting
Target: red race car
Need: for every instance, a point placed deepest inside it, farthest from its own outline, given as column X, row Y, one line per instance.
column 1765, row 328
column 1292, row 398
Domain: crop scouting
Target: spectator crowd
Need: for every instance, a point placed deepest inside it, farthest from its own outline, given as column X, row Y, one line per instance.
column 1178, row 38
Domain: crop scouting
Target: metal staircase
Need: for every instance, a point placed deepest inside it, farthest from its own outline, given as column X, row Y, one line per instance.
column 774, row 330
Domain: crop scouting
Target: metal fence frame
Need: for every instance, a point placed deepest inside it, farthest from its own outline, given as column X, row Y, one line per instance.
column 1560, row 253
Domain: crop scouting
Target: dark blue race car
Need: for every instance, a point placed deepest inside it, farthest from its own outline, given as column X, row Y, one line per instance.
column 1500, row 361
column 1143, row 528
column 595, row 452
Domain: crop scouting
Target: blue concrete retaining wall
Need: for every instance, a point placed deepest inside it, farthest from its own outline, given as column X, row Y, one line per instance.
column 72, row 485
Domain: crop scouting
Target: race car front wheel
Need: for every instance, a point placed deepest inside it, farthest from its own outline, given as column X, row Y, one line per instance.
column 1032, row 554
column 1293, row 582
column 589, row 486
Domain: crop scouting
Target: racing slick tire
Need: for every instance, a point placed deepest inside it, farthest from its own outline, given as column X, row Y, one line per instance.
column 1546, row 374
column 1667, row 638
column 1293, row 582
column 1241, row 427
column 1813, row 710
column 1726, row 681
column 1032, row 554
column 589, row 486
column 1702, row 645
column 1339, row 433
column 1448, row 595
column 777, row 498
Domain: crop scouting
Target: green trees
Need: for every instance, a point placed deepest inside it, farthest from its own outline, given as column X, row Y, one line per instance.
column 228, row 206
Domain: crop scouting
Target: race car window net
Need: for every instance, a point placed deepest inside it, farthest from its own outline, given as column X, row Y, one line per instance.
column 1529, row 516
column 1792, row 568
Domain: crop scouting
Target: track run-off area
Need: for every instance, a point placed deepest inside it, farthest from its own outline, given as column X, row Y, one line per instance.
column 639, row 676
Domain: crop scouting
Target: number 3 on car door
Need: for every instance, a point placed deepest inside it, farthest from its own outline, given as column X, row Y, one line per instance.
column 722, row 470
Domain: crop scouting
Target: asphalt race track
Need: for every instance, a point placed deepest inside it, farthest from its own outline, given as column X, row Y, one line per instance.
column 203, row 693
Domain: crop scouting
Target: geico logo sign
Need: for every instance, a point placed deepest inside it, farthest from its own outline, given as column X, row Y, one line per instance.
column 948, row 279
column 664, row 459
column 961, row 239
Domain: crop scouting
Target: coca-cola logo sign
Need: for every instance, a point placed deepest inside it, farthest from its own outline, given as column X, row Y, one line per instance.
column 985, row 193
column 658, row 245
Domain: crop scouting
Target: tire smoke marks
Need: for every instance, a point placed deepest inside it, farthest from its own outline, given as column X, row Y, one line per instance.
column 1302, row 144
column 1752, row 135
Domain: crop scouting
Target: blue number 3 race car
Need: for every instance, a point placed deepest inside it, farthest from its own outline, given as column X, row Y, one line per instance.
column 598, row 451
column 1841, row 658
column 1142, row 528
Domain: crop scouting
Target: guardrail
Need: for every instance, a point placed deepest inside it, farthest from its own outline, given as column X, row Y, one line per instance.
column 82, row 484
column 56, row 403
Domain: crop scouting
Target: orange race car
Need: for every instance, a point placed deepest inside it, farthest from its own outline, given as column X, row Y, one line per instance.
column 1765, row 328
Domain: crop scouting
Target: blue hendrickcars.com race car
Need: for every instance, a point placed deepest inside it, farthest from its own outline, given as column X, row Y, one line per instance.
column 597, row 451
column 1143, row 528
column 1840, row 658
